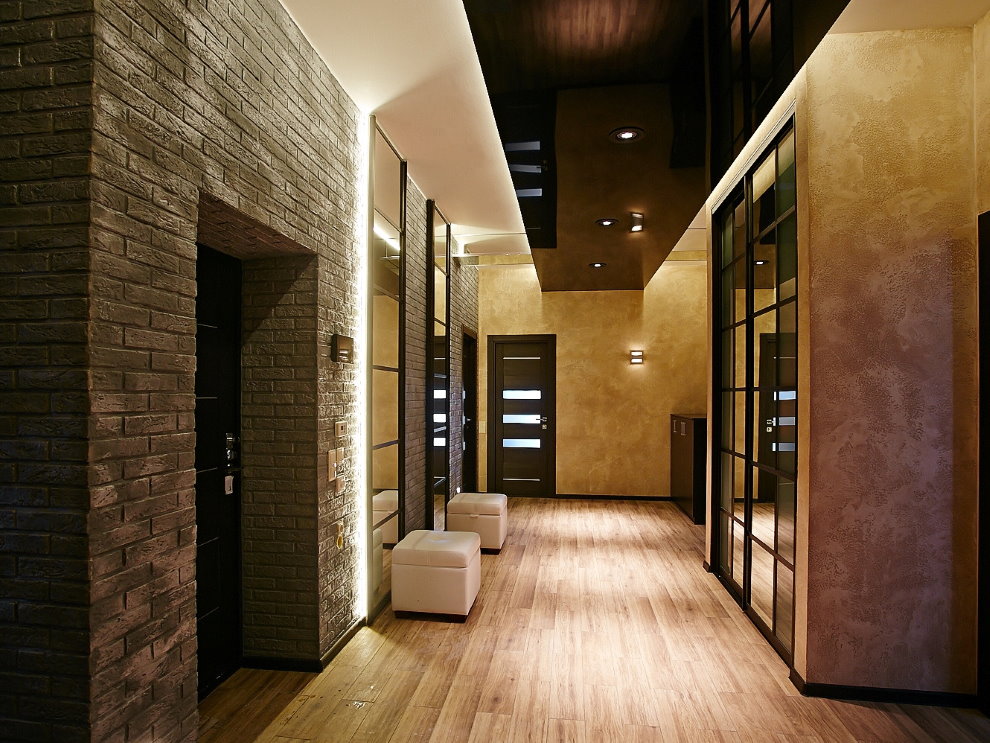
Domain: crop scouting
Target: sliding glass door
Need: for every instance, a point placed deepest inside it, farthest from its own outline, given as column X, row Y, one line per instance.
column 755, row 429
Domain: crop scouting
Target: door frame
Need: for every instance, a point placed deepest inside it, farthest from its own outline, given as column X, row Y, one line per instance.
column 551, row 341
column 472, row 384
column 983, row 472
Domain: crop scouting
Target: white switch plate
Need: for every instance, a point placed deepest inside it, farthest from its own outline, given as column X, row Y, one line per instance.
column 340, row 428
column 482, row 426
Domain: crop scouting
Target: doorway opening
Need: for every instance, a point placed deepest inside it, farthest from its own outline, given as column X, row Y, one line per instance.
column 218, row 475
column 522, row 411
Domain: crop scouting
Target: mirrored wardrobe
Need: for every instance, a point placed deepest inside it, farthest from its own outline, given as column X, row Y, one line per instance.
column 386, row 276
column 438, row 363
column 755, row 416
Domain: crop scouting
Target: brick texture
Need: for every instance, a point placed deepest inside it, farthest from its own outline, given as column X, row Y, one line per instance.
column 463, row 314
column 414, row 441
column 46, row 51
column 214, row 122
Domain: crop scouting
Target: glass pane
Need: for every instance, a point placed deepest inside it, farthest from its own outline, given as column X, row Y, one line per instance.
column 524, row 419
column 388, row 180
column 386, row 250
column 787, row 258
column 786, row 187
column 728, row 289
column 726, row 482
column 521, row 443
column 725, row 544
column 785, row 519
column 385, row 329
column 728, row 369
column 726, row 246
column 439, row 295
column 761, row 55
column 765, row 271
column 739, row 356
column 737, row 552
column 764, row 505
column 739, row 234
column 522, row 395
column 761, row 583
column 385, row 468
column 787, row 346
column 384, row 406
column 786, row 407
column 739, row 488
column 726, row 432
column 736, row 36
column 739, row 414
column 764, row 201
column 755, row 8
column 785, row 605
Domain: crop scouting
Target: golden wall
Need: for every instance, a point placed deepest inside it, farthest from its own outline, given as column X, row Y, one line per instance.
column 981, row 66
column 612, row 417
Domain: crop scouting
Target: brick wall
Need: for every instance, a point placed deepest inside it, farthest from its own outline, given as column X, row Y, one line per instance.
column 414, row 440
column 463, row 314
column 46, row 52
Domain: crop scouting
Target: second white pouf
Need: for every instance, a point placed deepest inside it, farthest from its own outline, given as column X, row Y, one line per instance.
column 437, row 572
column 483, row 513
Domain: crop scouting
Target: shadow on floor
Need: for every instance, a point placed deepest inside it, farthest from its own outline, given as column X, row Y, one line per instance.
column 244, row 705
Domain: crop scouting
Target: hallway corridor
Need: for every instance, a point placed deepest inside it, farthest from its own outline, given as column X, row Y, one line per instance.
column 596, row 623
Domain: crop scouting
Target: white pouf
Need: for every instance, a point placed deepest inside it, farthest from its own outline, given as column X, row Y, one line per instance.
column 484, row 513
column 436, row 572
column 382, row 505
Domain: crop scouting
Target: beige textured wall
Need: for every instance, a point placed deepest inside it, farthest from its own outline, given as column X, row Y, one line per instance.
column 891, row 542
column 612, row 417
column 981, row 66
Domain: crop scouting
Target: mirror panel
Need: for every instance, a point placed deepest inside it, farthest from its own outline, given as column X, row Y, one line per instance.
column 438, row 371
column 385, row 378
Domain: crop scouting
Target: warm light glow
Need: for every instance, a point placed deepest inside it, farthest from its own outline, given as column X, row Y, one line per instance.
column 597, row 265
column 635, row 353
column 635, row 361
column 626, row 134
column 361, row 240
column 636, row 356
column 637, row 221
column 607, row 222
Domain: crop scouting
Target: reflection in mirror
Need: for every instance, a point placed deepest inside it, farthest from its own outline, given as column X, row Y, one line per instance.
column 438, row 353
column 385, row 376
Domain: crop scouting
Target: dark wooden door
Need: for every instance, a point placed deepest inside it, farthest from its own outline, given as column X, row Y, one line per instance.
column 521, row 441
column 469, row 370
column 218, row 385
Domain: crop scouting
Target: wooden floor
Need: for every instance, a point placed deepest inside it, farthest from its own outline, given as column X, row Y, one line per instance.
column 595, row 624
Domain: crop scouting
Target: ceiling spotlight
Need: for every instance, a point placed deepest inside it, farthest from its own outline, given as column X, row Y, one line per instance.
column 597, row 265
column 637, row 221
column 759, row 263
column 606, row 222
column 626, row 134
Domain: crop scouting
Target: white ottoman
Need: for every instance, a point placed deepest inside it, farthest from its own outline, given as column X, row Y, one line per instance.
column 436, row 572
column 484, row 513
column 382, row 504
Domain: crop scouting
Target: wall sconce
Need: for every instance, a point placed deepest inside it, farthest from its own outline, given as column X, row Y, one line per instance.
column 635, row 357
column 637, row 221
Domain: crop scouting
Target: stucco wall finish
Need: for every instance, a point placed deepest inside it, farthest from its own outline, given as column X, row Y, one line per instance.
column 612, row 418
column 891, row 543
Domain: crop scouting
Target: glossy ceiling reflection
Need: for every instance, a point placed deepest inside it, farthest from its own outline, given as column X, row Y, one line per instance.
column 566, row 77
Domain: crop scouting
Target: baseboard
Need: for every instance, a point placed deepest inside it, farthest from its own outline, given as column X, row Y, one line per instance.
column 308, row 665
column 707, row 566
column 884, row 695
column 602, row 496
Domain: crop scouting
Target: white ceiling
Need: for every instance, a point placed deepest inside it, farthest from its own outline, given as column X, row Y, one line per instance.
column 894, row 15
column 414, row 65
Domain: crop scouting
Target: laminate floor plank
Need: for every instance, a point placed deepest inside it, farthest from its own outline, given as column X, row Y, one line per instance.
column 595, row 624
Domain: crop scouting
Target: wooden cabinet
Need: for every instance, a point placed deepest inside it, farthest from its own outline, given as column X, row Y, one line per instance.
column 688, row 446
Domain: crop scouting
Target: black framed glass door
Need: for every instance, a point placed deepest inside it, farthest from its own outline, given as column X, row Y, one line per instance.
column 755, row 431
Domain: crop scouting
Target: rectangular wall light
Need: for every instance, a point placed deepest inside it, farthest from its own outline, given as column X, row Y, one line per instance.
column 637, row 221
column 636, row 357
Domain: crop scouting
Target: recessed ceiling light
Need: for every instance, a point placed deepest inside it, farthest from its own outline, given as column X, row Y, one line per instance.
column 627, row 134
column 607, row 222
column 759, row 263
column 597, row 265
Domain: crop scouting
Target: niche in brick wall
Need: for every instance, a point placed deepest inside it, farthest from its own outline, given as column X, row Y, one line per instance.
column 274, row 471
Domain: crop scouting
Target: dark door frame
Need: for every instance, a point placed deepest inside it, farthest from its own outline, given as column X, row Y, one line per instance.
column 551, row 341
column 469, row 477
column 983, row 474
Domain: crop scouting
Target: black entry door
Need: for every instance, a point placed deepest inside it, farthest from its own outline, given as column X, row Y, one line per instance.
column 218, row 385
column 469, row 368
column 521, row 407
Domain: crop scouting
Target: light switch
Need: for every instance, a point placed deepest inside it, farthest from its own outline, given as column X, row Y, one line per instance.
column 340, row 428
column 332, row 464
